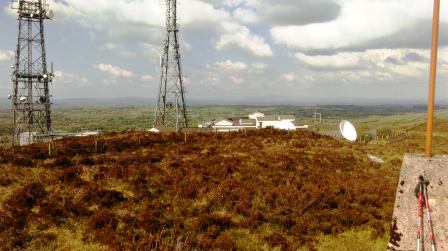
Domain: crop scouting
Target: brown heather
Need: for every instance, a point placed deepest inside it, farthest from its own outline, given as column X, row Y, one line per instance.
column 140, row 191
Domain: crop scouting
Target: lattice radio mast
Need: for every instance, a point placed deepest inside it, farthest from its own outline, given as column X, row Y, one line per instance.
column 171, row 109
column 31, row 105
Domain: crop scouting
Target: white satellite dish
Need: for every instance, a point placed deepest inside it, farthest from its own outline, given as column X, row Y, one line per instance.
column 348, row 131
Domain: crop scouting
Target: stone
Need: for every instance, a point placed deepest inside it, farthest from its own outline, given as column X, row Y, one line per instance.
column 405, row 216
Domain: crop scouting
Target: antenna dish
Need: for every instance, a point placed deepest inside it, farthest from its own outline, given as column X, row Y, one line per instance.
column 348, row 131
column 286, row 125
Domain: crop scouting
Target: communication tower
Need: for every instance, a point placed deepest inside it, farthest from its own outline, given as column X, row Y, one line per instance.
column 171, row 110
column 30, row 98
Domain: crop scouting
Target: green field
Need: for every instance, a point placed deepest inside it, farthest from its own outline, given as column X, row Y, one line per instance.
column 117, row 119
column 385, row 120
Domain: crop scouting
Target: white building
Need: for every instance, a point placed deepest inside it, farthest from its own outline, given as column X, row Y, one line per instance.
column 233, row 124
column 274, row 121
column 256, row 115
column 256, row 120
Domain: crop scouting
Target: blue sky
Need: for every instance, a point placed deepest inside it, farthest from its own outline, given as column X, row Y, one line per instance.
column 242, row 51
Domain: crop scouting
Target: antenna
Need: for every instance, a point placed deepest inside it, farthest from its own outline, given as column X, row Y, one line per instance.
column 317, row 115
column 30, row 99
column 171, row 110
column 348, row 131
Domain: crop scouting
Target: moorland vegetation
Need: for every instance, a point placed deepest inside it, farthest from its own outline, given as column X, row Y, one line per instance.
column 250, row 190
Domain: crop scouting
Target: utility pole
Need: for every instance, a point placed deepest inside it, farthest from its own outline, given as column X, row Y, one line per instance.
column 432, row 79
column 171, row 109
column 30, row 100
column 316, row 115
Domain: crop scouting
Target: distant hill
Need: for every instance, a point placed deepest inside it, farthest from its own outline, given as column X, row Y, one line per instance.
column 250, row 101
column 103, row 102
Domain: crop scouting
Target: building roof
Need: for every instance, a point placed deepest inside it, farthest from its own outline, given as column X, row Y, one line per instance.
column 220, row 121
column 269, row 118
column 244, row 122
column 255, row 113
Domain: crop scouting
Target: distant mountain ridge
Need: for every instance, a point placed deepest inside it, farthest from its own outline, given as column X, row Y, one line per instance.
column 262, row 101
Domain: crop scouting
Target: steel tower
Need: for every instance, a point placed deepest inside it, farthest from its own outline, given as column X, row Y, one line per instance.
column 30, row 98
column 171, row 109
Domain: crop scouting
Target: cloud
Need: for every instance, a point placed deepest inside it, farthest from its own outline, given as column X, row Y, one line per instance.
column 70, row 79
column 296, row 12
column 238, row 66
column 246, row 16
column 237, row 80
column 359, row 22
column 259, row 66
column 146, row 78
column 6, row 55
column 132, row 20
column 225, row 3
column 340, row 60
column 232, row 66
column 290, row 76
column 406, row 62
column 114, row 70
column 240, row 36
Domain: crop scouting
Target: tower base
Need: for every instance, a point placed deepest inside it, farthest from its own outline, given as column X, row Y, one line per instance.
column 405, row 218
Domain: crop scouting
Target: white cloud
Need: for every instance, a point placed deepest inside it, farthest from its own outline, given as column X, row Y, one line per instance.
column 130, row 20
column 392, row 61
column 6, row 55
column 232, row 66
column 70, row 79
column 240, row 36
column 259, row 66
column 290, row 76
column 237, row 80
column 302, row 79
column 359, row 21
column 341, row 60
column 114, row 70
column 146, row 78
column 149, row 13
column 226, row 3
column 245, row 16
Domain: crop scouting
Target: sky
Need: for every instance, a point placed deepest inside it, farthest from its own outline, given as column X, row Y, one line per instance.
column 242, row 51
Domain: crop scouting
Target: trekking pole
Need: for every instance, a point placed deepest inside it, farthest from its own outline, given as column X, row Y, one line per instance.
column 420, row 213
column 428, row 215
